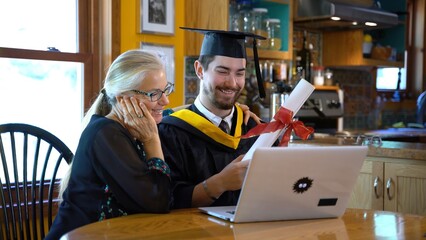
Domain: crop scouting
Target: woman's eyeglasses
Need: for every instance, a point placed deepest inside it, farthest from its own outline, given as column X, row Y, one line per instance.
column 156, row 94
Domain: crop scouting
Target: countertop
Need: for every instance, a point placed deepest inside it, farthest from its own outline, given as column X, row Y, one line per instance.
column 398, row 132
column 388, row 149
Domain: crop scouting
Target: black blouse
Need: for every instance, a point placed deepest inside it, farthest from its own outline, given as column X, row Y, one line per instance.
column 111, row 177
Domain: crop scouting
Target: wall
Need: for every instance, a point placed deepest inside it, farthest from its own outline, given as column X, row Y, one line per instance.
column 131, row 39
column 387, row 36
column 362, row 110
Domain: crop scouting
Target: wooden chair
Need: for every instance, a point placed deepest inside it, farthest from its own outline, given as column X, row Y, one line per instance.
column 30, row 160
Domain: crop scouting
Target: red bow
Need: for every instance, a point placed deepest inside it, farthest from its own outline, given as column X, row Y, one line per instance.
column 283, row 118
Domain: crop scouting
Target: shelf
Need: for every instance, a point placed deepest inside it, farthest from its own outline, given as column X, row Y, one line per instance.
column 282, row 10
column 366, row 62
column 270, row 54
column 381, row 63
column 326, row 88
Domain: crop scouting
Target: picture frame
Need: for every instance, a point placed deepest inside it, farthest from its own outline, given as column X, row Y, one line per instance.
column 167, row 55
column 157, row 16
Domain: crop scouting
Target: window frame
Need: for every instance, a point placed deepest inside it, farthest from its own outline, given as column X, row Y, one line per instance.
column 85, row 58
column 98, row 44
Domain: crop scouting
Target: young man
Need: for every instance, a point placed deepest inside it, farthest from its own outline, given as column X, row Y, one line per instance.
column 205, row 161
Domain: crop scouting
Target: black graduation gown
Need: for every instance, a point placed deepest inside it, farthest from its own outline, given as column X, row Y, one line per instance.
column 110, row 177
column 193, row 155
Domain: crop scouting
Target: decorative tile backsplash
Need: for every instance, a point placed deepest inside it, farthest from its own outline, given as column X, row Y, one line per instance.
column 361, row 111
column 192, row 83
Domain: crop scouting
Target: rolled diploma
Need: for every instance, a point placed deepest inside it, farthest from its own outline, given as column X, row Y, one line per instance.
column 294, row 102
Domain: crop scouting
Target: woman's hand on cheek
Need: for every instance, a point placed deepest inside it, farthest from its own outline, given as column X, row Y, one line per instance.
column 137, row 119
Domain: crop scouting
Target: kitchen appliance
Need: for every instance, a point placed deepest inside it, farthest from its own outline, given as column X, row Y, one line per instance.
column 340, row 14
column 323, row 111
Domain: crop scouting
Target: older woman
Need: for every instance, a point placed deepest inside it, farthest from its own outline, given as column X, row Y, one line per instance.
column 119, row 167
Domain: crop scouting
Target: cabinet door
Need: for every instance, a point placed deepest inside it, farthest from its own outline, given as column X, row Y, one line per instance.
column 368, row 191
column 405, row 188
column 208, row 14
column 344, row 48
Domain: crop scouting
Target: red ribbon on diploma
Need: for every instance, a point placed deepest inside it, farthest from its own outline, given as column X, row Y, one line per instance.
column 283, row 118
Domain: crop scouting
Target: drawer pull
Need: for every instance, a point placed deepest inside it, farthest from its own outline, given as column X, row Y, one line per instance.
column 376, row 186
column 388, row 187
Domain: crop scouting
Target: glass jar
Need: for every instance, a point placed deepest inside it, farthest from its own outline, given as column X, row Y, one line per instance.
column 274, row 33
column 233, row 16
column 258, row 28
column 245, row 17
column 328, row 75
column 318, row 75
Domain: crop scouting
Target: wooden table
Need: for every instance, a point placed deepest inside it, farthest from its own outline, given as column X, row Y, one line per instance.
column 191, row 224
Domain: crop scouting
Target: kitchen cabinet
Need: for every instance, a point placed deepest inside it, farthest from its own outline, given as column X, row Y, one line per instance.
column 213, row 14
column 365, row 192
column 344, row 48
column 208, row 14
column 391, row 184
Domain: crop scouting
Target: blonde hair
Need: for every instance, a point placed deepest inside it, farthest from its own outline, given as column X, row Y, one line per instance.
column 126, row 72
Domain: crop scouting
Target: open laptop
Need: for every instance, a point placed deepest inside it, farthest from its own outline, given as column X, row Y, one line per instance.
column 288, row 183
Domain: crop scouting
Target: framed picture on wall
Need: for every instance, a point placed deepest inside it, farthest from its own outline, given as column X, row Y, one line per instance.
column 157, row 16
column 167, row 54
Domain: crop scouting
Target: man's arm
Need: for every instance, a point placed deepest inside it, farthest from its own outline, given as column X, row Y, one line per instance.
column 229, row 179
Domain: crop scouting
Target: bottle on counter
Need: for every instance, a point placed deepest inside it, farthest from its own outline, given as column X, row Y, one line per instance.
column 268, row 77
column 267, row 70
column 328, row 76
column 280, row 71
column 305, row 58
column 299, row 67
column 295, row 77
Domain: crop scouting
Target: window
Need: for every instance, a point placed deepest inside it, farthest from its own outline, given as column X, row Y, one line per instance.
column 46, row 64
column 29, row 24
column 387, row 79
column 47, row 94
column 41, row 92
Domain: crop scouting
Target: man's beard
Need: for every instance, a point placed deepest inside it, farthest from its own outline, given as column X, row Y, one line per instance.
column 222, row 105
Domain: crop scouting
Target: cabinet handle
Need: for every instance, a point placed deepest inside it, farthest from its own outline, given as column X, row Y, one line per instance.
column 388, row 186
column 376, row 186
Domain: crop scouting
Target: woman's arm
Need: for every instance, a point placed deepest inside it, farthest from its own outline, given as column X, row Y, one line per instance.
column 248, row 114
column 137, row 185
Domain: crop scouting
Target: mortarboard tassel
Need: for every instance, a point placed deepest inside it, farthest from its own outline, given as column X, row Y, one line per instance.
column 262, row 93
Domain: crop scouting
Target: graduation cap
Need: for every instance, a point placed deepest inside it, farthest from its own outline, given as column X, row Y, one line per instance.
column 230, row 44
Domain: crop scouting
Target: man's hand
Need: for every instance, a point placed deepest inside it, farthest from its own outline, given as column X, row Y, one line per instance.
column 232, row 176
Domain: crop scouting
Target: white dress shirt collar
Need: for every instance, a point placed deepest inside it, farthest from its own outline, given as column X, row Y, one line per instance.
column 211, row 116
